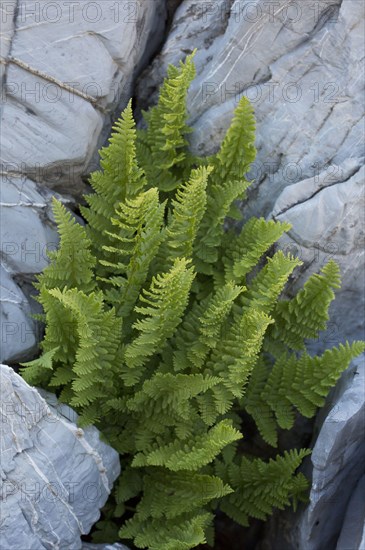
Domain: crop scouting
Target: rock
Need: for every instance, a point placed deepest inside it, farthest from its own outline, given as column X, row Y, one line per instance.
column 7, row 12
column 55, row 477
column 67, row 70
column 247, row 49
column 26, row 224
column 299, row 64
column 353, row 529
column 27, row 234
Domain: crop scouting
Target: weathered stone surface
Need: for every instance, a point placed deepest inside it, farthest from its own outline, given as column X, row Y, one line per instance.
column 68, row 67
column 195, row 24
column 336, row 468
column 54, row 476
column 6, row 33
column 353, row 529
column 26, row 224
column 301, row 66
column 338, row 462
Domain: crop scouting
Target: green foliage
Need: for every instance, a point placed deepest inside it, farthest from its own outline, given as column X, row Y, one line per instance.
column 275, row 389
column 307, row 313
column 161, row 328
column 259, row 487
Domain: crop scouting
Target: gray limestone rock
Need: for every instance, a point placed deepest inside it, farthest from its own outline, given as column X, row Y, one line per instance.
column 327, row 223
column 18, row 330
column 55, row 477
column 26, row 224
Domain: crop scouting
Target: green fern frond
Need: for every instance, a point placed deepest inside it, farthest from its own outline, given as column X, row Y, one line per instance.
column 268, row 284
column 137, row 237
column 240, row 347
column 171, row 390
column 230, row 165
column 291, row 382
column 260, row 486
column 35, row 371
column 120, row 178
column 164, row 140
column 129, row 484
column 237, row 151
column 315, row 376
column 307, row 313
column 163, row 534
column 209, row 327
column 187, row 211
column 241, row 254
column 193, row 454
column 72, row 264
column 211, row 231
column 170, row 494
column 93, row 359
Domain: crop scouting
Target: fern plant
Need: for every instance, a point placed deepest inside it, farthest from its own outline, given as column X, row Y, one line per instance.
column 161, row 328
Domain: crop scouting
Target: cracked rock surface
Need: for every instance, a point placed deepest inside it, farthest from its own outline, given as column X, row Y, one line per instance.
column 353, row 529
column 66, row 71
column 338, row 464
column 55, row 477
column 27, row 232
column 18, row 330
